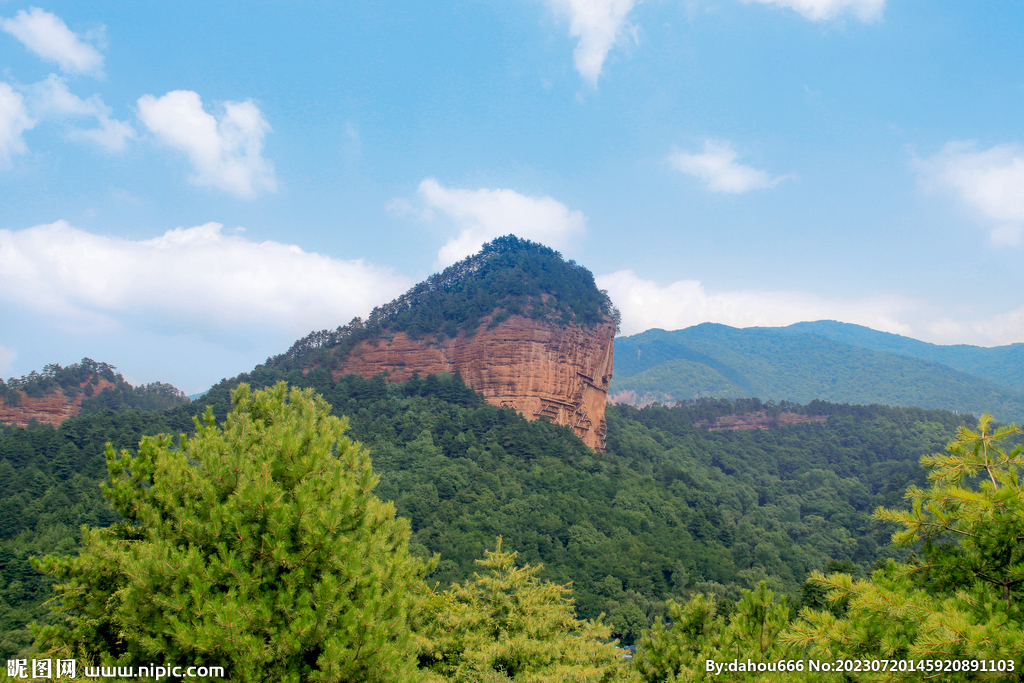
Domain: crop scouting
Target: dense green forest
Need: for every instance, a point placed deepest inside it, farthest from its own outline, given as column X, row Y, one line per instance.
column 48, row 488
column 508, row 276
column 479, row 546
column 1003, row 365
column 671, row 510
column 260, row 583
column 82, row 379
column 796, row 365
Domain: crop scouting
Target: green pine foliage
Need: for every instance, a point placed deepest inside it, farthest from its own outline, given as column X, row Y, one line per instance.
column 54, row 378
column 509, row 276
column 49, row 488
column 258, row 546
column 82, row 379
column 670, row 512
column 678, row 652
column 962, row 597
column 506, row 624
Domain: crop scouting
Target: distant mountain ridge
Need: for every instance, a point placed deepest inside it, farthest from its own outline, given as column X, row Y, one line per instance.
column 818, row 360
column 1003, row 365
column 58, row 393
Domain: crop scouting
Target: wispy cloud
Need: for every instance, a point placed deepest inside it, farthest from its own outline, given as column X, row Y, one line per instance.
column 6, row 359
column 225, row 151
column 822, row 10
column 50, row 98
column 598, row 24
column 989, row 182
column 717, row 166
column 481, row 215
column 645, row 304
column 14, row 120
column 198, row 279
column 49, row 37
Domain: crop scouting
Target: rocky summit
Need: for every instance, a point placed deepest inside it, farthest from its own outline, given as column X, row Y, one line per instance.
column 524, row 327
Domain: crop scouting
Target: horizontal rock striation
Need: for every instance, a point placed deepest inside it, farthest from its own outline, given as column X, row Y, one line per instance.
column 51, row 408
column 545, row 371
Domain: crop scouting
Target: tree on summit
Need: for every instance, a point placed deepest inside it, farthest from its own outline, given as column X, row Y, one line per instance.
column 257, row 546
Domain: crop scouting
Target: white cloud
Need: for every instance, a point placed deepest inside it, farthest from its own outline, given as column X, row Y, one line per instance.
column 50, row 98
column 49, row 37
column 718, row 168
column 645, row 304
column 225, row 151
column 990, row 182
column 485, row 214
column 14, row 120
column 6, row 359
column 598, row 24
column 820, row 10
column 196, row 279
column 999, row 330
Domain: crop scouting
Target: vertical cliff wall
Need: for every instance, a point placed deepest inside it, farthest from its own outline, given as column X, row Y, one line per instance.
column 543, row 370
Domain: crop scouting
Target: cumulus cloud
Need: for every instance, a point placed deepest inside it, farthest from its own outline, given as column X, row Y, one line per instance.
column 481, row 215
column 198, row 279
column 990, row 182
column 821, row 10
column 49, row 37
column 225, row 151
column 718, row 168
column 50, row 98
column 598, row 24
column 14, row 120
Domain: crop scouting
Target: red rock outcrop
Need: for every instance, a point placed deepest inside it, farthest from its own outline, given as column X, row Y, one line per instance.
column 759, row 420
column 540, row 369
column 52, row 408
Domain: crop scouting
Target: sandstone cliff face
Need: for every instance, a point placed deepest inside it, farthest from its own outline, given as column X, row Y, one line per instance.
column 540, row 369
column 52, row 408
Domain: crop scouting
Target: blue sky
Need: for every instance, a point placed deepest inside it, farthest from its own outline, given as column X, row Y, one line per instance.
column 187, row 189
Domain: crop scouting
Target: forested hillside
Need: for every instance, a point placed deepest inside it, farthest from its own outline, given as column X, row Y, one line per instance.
column 672, row 509
column 508, row 276
column 721, row 361
column 1002, row 365
column 96, row 386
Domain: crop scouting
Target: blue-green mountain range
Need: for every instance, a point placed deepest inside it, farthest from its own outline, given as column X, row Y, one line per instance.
column 825, row 360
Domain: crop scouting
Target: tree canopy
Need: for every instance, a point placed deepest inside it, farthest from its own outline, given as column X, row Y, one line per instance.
column 507, row 624
column 508, row 276
column 962, row 596
column 258, row 546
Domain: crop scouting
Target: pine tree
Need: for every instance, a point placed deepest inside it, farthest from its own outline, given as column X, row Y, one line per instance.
column 257, row 546
column 508, row 625
column 961, row 598
column 679, row 654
